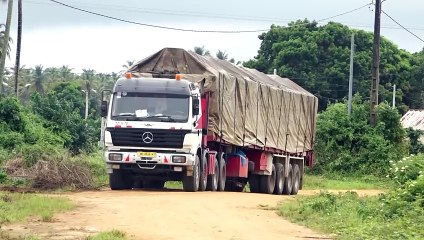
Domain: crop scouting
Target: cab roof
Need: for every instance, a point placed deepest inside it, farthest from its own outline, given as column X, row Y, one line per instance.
column 153, row 85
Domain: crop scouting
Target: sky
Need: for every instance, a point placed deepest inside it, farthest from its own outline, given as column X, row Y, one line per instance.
column 54, row 35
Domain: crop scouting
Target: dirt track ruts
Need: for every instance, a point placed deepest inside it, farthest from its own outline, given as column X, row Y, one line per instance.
column 173, row 215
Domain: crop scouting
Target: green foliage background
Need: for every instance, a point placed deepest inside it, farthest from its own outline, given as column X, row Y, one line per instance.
column 317, row 58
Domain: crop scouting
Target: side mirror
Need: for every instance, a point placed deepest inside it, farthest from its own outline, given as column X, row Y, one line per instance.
column 196, row 106
column 103, row 109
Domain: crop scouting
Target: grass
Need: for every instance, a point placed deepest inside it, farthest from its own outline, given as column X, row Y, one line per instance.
column 313, row 182
column 109, row 235
column 349, row 216
column 17, row 207
column 174, row 185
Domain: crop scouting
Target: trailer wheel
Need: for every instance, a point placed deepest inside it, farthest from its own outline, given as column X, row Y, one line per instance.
column 268, row 182
column 279, row 179
column 222, row 173
column 254, row 183
column 288, row 182
column 296, row 179
column 203, row 181
column 213, row 179
column 120, row 180
column 191, row 183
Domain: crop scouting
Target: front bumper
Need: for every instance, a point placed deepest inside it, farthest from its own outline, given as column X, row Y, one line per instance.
column 159, row 161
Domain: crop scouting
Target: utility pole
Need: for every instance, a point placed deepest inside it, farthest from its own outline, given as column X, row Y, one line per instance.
column 18, row 47
column 394, row 96
column 375, row 64
column 87, row 92
column 352, row 52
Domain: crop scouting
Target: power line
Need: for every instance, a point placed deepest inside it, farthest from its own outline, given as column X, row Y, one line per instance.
column 193, row 30
column 400, row 25
column 112, row 7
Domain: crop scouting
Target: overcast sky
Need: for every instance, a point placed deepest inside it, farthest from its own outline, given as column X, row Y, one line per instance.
column 54, row 35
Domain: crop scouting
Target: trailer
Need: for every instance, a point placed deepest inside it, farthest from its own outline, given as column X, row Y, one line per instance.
column 179, row 116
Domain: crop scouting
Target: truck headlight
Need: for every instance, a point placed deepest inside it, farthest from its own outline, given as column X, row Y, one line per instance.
column 178, row 159
column 115, row 156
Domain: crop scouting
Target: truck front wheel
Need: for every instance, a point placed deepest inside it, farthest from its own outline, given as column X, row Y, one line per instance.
column 191, row 183
column 120, row 180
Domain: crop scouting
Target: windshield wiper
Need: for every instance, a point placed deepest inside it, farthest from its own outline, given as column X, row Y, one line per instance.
column 124, row 115
column 163, row 118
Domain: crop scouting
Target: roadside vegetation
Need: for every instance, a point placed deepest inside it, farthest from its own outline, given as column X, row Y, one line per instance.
column 368, row 158
column 16, row 207
column 398, row 214
column 110, row 235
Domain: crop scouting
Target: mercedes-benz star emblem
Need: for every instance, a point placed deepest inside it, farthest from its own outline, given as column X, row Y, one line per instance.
column 147, row 137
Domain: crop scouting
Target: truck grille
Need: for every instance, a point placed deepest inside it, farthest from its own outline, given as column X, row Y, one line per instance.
column 161, row 138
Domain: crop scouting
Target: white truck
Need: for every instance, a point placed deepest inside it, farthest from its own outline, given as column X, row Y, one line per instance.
column 178, row 116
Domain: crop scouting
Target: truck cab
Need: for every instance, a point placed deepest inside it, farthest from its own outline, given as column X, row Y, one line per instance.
column 152, row 133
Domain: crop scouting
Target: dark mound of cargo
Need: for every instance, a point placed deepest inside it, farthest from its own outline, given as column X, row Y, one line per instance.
column 247, row 107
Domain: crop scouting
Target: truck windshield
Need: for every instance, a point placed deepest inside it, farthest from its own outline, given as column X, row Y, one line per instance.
column 150, row 107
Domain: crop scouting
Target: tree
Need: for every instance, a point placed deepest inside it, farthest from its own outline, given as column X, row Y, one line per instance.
column 39, row 78
column 2, row 37
column 222, row 55
column 5, row 42
column 317, row 58
column 128, row 64
column 202, row 51
column 18, row 47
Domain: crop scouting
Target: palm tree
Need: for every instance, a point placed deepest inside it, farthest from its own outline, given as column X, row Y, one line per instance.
column 65, row 73
column 223, row 55
column 6, row 41
column 2, row 33
column 202, row 51
column 128, row 64
column 18, row 46
column 39, row 77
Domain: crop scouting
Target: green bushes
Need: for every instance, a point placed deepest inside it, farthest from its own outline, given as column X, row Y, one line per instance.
column 398, row 214
column 44, row 146
column 349, row 145
column 353, row 217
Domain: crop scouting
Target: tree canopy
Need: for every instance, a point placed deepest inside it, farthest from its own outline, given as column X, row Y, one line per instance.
column 317, row 58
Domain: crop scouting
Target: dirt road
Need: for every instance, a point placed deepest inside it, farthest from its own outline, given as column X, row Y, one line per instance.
column 172, row 215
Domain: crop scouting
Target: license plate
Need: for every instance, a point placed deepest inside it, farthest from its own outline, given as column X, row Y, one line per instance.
column 146, row 154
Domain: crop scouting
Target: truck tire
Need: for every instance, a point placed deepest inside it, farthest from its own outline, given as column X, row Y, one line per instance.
column 120, row 180
column 222, row 173
column 288, row 182
column 268, row 182
column 138, row 184
column 191, row 183
column 254, row 183
column 279, row 179
column 296, row 179
column 154, row 184
column 203, row 181
column 213, row 179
